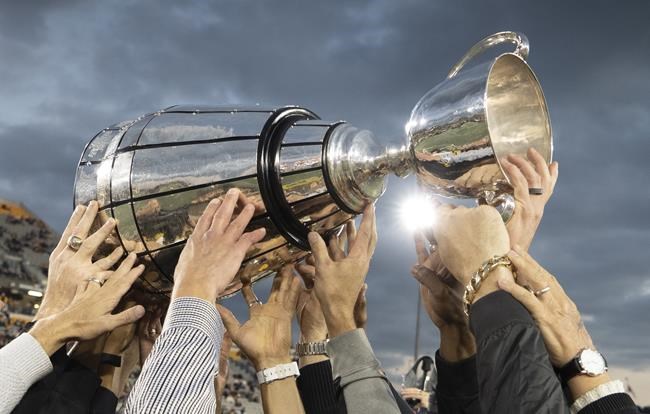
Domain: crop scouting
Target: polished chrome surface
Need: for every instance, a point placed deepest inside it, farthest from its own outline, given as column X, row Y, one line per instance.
column 156, row 174
column 460, row 129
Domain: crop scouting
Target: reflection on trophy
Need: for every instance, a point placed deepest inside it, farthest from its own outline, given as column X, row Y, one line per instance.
column 156, row 174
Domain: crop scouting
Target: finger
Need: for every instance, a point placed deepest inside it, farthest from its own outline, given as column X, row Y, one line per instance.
column 125, row 317
column 351, row 233
column 85, row 223
column 335, row 249
column 307, row 273
column 527, row 169
column 293, row 293
column 67, row 232
column 238, row 225
column 528, row 269
column 90, row 245
column 110, row 260
column 554, row 170
column 363, row 242
column 286, row 277
column 523, row 296
column 126, row 265
column 122, row 284
column 517, row 180
column 541, row 167
column 420, row 247
column 223, row 216
column 275, row 287
column 343, row 239
column 318, row 249
column 206, row 218
column 249, row 295
column 248, row 239
column 230, row 321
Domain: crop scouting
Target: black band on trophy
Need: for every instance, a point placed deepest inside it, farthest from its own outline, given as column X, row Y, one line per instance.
column 110, row 359
column 268, row 174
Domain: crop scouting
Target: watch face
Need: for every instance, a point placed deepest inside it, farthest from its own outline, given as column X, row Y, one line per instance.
column 592, row 362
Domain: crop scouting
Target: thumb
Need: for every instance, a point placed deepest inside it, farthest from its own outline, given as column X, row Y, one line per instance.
column 126, row 317
column 523, row 296
column 231, row 322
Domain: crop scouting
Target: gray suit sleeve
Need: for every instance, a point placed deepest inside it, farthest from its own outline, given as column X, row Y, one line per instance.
column 365, row 386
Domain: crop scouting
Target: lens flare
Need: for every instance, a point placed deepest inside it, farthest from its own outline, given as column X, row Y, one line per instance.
column 418, row 213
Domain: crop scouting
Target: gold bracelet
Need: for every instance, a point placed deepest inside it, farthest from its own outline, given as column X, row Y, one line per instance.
column 481, row 274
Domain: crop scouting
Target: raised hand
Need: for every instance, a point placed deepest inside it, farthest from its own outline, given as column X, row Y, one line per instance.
column 89, row 314
column 340, row 276
column 215, row 250
column 467, row 237
column 266, row 337
column 69, row 267
column 525, row 174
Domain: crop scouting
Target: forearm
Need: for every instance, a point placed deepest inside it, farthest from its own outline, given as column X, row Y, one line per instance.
column 178, row 374
column 365, row 387
column 511, row 355
column 457, row 343
column 281, row 397
column 317, row 389
column 457, row 390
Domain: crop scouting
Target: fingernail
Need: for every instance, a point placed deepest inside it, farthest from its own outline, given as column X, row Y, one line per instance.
column 232, row 191
column 249, row 207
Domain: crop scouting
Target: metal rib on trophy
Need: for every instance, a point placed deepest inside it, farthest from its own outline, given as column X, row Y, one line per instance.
column 156, row 174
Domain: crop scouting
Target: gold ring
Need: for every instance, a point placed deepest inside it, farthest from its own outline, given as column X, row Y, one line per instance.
column 74, row 242
column 542, row 291
column 95, row 280
column 256, row 302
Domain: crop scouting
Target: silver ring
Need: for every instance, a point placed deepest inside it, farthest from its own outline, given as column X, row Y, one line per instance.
column 74, row 242
column 95, row 280
column 257, row 302
column 542, row 291
column 535, row 191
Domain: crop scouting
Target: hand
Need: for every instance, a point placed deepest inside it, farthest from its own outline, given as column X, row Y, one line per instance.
column 416, row 394
column 149, row 329
column 266, row 337
column 524, row 174
column 222, row 376
column 310, row 316
column 67, row 268
column 89, row 314
column 442, row 298
column 554, row 312
column 361, row 308
column 339, row 277
column 468, row 237
column 119, row 339
column 215, row 250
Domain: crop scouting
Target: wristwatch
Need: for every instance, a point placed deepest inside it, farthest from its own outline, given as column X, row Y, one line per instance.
column 588, row 362
column 312, row 348
column 278, row 372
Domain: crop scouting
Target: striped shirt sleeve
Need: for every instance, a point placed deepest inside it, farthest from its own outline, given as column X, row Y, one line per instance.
column 178, row 375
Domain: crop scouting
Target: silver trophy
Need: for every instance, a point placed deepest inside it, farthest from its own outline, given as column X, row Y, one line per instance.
column 156, row 174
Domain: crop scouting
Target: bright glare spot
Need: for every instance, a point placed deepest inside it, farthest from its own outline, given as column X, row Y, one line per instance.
column 36, row 306
column 417, row 213
column 35, row 293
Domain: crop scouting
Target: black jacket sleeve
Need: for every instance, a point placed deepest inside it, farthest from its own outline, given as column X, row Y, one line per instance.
column 514, row 371
column 457, row 389
column 317, row 389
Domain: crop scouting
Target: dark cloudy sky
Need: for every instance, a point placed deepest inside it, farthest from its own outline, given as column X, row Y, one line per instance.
column 70, row 68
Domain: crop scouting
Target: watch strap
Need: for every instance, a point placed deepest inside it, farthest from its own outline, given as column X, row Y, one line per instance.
column 311, row 348
column 278, row 372
column 570, row 369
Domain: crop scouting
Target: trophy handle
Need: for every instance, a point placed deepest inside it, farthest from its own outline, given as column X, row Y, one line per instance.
column 519, row 39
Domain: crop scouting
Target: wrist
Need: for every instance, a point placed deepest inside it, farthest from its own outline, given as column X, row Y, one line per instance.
column 490, row 283
column 581, row 384
column 311, row 359
column 270, row 362
column 209, row 294
column 338, row 321
column 456, row 343
column 50, row 334
column 313, row 336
